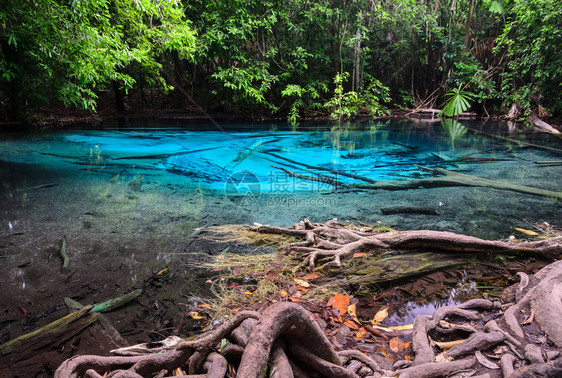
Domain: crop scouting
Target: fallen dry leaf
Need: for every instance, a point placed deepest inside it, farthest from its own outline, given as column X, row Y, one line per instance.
column 530, row 319
column 393, row 328
column 358, row 254
column 283, row 293
column 310, row 276
column 352, row 311
column 444, row 345
column 484, row 361
column 341, row 302
column 380, row 315
column 351, row 324
column 397, row 344
column 375, row 332
column 443, row 357
column 361, row 332
column 195, row 315
column 303, row 283
column 527, row 232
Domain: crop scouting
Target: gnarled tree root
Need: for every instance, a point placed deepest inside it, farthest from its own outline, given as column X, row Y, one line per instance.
column 330, row 243
column 287, row 338
column 285, row 335
column 518, row 352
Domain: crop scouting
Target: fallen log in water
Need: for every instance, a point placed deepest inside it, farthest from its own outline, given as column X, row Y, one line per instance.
column 449, row 179
column 52, row 334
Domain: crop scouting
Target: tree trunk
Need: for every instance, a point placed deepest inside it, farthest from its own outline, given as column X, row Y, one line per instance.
column 119, row 97
column 467, row 27
column 356, row 81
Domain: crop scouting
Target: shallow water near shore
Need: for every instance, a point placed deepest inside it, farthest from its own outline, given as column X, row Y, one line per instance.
column 127, row 198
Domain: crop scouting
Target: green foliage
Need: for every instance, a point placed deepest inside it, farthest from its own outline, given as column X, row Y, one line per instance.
column 68, row 51
column 343, row 104
column 374, row 96
column 454, row 129
column 283, row 57
column 531, row 40
column 458, row 101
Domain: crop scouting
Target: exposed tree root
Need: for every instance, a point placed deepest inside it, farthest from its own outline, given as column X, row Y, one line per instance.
column 519, row 352
column 283, row 336
column 285, row 341
column 330, row 243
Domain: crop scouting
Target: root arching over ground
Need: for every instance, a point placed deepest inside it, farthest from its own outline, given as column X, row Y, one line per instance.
column 331, row 242
column 479, row 337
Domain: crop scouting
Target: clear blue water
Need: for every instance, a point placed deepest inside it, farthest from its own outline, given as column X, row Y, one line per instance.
column 127, row 198
column 239, row 167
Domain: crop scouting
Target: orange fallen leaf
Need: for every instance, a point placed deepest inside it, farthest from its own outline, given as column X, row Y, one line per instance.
column 380, row 315
column 358, row 254
column 341, row 302
column 408, row 358
column 396, row 344
column 351, row 324
column 283, row 293
column 295, row 299
column 179, row 372
column 282, row 252
column 310, row 276
column 361, row 332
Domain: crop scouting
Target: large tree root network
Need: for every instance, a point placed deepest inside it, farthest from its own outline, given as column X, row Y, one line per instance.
column 284, row 341
column 331, row 243
column 478, row 338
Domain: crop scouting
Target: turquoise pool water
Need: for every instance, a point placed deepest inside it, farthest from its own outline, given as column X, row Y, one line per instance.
column 235, row 174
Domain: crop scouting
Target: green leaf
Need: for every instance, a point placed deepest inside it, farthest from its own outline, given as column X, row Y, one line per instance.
column 458, row 102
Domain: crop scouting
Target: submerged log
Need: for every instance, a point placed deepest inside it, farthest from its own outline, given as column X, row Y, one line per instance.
column 449, row 179
column 52, row 334
column 390, row 210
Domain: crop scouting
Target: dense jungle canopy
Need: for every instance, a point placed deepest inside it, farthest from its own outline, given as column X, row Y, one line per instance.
column 281, row 58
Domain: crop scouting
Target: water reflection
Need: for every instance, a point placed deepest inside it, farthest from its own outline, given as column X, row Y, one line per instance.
column 454, row 129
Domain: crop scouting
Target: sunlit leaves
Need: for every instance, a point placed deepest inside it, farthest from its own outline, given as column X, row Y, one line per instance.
column 458, row 101
column 69, row 51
